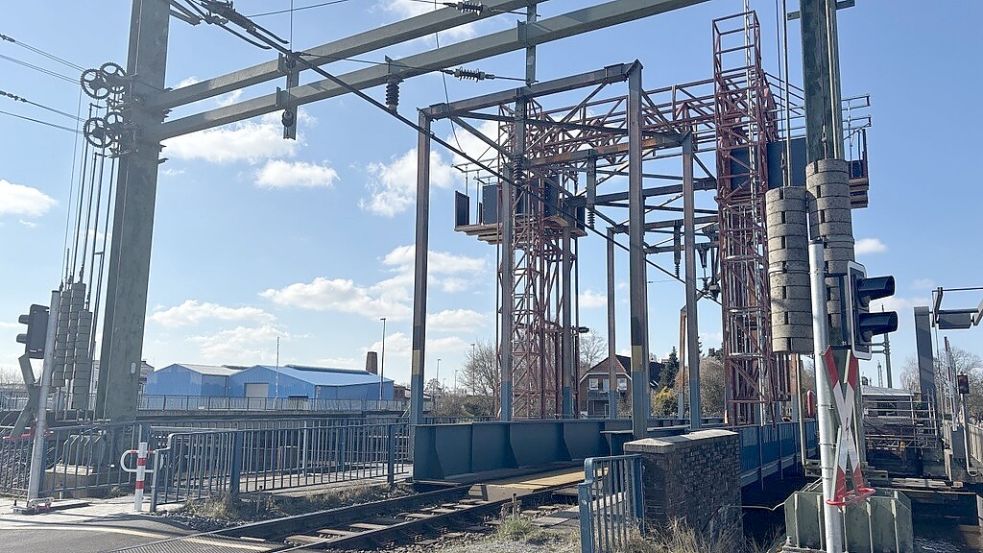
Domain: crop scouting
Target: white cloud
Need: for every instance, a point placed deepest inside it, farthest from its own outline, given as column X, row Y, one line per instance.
column 399, row 346
column 458, row 320
column 168, row 172
column 22, row 200
column 866, row 246
column 411, row 8
column 187, row 81
column 277, row 173
column 902, row 305
column 250, row 141
column 240, row 345
column 392, row 186
column 592, row 300
column 26, row 223
column 229, row 99
column 344, row 296
column 438, row 262
column 390, row 297
column 193, row 312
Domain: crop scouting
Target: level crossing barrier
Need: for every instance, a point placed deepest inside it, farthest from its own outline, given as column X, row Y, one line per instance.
column 195, row 464
column 611, row 501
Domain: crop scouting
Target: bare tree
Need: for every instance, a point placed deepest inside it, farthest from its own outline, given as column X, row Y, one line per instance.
column 712, row 386
column 481, row 375
column 593, row 348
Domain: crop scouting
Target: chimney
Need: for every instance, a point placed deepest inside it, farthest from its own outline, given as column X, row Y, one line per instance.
column 372, row 362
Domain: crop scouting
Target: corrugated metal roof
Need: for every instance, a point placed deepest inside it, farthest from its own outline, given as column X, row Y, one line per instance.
column 212, row 370
column 879, row 391
column 327, row 376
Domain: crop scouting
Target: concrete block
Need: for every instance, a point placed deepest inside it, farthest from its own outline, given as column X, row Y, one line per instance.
column 775, row 266
column 787, row 254
column 777, row 279
column 826, row 166
column 792, row 345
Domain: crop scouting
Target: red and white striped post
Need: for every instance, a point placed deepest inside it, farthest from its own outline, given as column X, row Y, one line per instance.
column 141, row 471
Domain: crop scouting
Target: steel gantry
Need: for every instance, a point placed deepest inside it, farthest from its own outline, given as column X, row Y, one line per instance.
column 147, row 104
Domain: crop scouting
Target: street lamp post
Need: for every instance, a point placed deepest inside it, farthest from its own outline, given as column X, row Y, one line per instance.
column 382, row 361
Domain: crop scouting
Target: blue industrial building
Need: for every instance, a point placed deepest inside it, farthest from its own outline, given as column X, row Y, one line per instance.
column 295, row 381
column 189, row 380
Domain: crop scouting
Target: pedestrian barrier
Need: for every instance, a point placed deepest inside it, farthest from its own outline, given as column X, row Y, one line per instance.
column 611, row 501
column 140, row 470
column 76, row 461
column 200, row 464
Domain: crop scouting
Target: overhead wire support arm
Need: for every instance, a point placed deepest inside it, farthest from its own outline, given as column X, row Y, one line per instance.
column 545, row 30
column 369, row 41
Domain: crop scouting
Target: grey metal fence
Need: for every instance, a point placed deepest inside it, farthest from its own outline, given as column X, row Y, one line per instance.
column 77, row 461
column 221, row 403
column 197, row 464
column 612, row 504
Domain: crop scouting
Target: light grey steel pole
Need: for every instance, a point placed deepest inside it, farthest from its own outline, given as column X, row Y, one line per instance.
column 566, row 338
column 41, row 418
column 382, row 361
column 612, row 358
column 833, row 524
column 531, row 16
column 417, row 366
column 692, row 326
column 797, row 406
column 121, row 353
column 637, row 271
column 887, row 359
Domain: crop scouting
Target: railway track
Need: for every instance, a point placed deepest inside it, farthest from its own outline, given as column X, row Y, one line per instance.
column 393, row 521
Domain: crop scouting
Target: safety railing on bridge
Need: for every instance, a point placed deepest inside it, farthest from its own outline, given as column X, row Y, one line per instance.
column 76, row 461
column 199, row 464
column 763, row 447
column 611, row 502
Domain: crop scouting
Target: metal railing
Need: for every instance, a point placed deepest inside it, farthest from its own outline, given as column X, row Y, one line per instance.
column 199, row 464
column 762, row 447
column 59, row 401
column 611, row 500
column 77, row 461
column 222, row 403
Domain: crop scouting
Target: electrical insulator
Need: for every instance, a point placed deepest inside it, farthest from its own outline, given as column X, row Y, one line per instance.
column 289, row 120
column 591, row 218
column 471, row 74
column 392, row 94
column 468, row 7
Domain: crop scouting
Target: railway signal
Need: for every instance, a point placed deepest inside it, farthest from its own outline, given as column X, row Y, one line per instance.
column 37, row 329
column 862, row 325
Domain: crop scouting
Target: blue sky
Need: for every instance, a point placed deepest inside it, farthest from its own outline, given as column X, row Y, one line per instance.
column 311, row 240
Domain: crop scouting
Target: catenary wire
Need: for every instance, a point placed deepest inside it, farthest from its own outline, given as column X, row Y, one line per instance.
column 39, row 121
column 40, row 52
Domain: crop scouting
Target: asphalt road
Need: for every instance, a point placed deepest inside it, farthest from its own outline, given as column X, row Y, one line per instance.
column 84, row 536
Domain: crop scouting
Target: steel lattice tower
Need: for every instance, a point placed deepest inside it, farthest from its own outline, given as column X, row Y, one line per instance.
column 744, row 119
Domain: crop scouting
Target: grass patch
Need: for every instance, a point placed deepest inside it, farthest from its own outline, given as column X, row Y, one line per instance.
column 219, row 511
column 680, row 538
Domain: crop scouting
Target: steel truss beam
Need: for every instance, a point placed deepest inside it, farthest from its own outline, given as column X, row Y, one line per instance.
column 523, row 36
column 387, row 35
